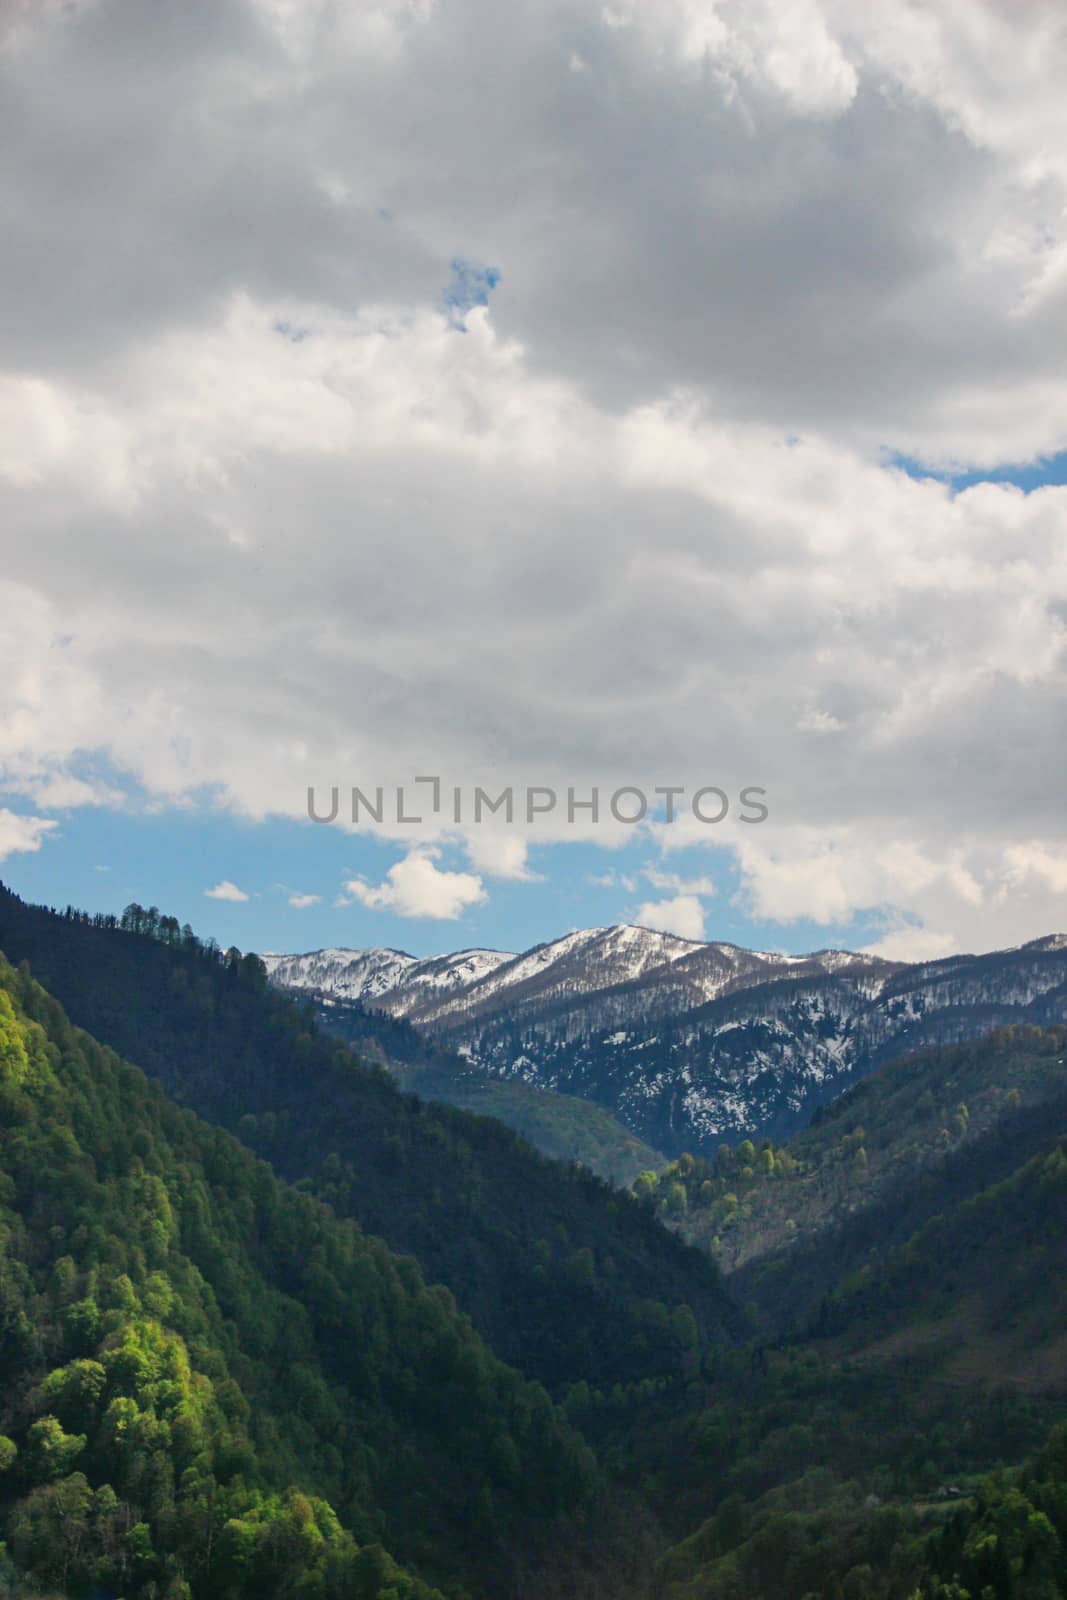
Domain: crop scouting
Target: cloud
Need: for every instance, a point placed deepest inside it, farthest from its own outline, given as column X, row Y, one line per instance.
column 671, row 880
column 827, row 881
column 682, row 915
column 500, row 855
column 613, row 880
column 417, row 887
column 22, row 834
column 679, row 553
column 914, row 944
column 300, row 902
column 888, row 223
column 226, row 891
column 1033, row 865
column 814, row 720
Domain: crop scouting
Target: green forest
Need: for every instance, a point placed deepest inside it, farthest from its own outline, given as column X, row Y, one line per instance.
column 271, row 1326
column 208, row 1375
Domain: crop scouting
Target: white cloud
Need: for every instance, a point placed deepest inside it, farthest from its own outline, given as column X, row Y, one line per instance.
column 786, row 52
column 671, row 880
column 929, row 628
column 682, row 915
column 809, row 877
column 22, row 834
column 1034, row 865
column 300, row 902
column 417, row 887
column 226, row 891
column 815, row 720
column 613, row 880
column 500, row 855
column 635, row 524
column 914, row 944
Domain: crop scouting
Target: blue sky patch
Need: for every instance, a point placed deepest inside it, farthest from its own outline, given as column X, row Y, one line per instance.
column 1045, row 472
column 471, row 286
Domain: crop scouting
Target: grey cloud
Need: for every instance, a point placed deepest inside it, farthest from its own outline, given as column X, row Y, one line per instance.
column 817, row 273
column 567, row 545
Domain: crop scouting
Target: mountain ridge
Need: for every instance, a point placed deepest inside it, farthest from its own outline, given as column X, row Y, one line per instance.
column 626, row 952
column 689, row 1044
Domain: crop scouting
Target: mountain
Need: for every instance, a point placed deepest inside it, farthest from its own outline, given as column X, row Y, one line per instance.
column 912, row 1336
column 565, row 1277
column 474, row 983
column 559, row 1125
column 207, row 1378
column 1001, row 1537
column 913, row 1140
column 954, row 1337
column 692, row 1044
column 390, row 975
column 218, row 1384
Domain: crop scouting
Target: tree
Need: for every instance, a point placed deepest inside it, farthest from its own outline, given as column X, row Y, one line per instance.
column 645, row 1185
column 50, row 1529
column 50, row 1453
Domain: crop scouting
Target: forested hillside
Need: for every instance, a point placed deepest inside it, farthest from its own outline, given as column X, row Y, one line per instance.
column 1002, row 1540
column 980, row 1288
column 914, row 1140
column 559, row 1125
column 209, row 1379
column 567, row 1278
column 913, row 1335
column 1011, row 1540
column 847, row 1454
column 214, row 1386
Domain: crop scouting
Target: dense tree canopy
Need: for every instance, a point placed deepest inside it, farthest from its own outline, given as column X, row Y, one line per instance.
column 198, row 1363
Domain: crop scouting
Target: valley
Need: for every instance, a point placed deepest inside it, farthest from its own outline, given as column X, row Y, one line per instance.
column 253, row 1293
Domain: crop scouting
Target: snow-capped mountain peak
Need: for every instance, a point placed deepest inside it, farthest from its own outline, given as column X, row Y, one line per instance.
column 381, row 976
column 584, row 961
column 689, row 1042
column 347, row 974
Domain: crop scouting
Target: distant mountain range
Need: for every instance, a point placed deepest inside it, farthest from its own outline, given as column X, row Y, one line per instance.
column 689, row 1044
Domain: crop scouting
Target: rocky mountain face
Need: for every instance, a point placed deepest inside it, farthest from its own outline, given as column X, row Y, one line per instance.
column 387, row 979
column 691, row 1044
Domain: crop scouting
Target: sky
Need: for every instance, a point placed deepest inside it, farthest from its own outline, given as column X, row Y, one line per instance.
column 577, row 396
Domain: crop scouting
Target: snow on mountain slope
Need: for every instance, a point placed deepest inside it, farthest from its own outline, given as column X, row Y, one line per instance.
column 672, row 973
column 578, row 963
column 445, row 975
column 391, row 979
column 689, row 1043
column 348, row 974
column 762, row 1054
